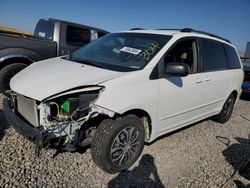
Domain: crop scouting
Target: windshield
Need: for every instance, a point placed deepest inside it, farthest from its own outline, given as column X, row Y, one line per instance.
column 121, row 51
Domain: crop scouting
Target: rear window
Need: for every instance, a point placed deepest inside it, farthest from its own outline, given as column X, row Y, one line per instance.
column 77, row 36
column 232, row 58
column 44, row 29
column 213, row 56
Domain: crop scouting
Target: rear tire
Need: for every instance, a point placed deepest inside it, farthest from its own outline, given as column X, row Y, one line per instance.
column 117, row 144
column 7, row 73
column 226, row 111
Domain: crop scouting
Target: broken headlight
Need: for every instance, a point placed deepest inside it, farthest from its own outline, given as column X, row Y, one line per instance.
column 71, row 107
column 78, row 103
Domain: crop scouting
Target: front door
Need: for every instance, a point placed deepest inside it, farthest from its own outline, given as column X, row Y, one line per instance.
column 180, row 98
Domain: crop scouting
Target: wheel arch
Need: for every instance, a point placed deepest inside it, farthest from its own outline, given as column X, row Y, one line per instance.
column 146, row 119
column 235, row 93
column 17, row 58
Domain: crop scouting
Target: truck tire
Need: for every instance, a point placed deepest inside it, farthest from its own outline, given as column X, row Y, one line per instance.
column 226, row 111
column 117, row 144
column 7, row 73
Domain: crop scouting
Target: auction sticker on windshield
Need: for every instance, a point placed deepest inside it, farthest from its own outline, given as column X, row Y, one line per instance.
column 130, row 50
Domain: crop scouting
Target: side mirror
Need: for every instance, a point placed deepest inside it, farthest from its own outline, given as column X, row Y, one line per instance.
column 176, row 69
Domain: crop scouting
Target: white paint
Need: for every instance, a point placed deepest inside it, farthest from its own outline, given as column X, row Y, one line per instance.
column 171, row 103
column 46, row 78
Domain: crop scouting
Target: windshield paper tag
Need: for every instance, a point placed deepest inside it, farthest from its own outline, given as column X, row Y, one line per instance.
column 130, row 50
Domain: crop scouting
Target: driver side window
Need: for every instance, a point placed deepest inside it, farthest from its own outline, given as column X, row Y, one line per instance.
column 184, row 51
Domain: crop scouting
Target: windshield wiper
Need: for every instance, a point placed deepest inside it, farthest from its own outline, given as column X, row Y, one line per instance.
column 68, row 56
column 87, row 62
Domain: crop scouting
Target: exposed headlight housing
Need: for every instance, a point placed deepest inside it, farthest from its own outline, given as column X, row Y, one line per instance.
column 81, row 102
column 67, row 107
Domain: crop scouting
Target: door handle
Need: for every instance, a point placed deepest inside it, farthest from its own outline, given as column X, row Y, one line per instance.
column 207, row 79
column 198, row 80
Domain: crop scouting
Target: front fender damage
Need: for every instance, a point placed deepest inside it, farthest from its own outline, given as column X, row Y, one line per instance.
column 95, row 110
column 60, row 126
column 78, row 132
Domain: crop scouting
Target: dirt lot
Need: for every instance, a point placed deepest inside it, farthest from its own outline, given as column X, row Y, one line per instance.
column 205, row 154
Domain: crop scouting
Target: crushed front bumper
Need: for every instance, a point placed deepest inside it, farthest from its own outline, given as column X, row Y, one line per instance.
column 35, row 135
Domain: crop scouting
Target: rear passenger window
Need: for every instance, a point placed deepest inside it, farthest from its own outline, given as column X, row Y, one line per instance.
column 232, row 58
column 77, row 36
column 100, row 34
column 213, row 55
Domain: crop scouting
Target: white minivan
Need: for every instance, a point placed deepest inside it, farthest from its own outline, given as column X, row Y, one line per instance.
column 123, row 90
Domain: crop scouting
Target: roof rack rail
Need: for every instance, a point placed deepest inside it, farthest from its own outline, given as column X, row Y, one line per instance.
column 169, row 29
column 137, row 28
column 156, row 29
column 202, row 32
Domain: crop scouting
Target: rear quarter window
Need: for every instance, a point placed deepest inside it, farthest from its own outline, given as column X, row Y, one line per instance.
column 77, row 36
column 213, row 55
column 44, row 29
column 232, row 58
column 100, row 34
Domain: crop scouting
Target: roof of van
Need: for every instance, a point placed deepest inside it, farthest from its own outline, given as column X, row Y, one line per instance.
column 185, row 31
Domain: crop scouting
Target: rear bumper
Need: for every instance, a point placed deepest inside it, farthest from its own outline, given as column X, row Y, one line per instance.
column 35, row 135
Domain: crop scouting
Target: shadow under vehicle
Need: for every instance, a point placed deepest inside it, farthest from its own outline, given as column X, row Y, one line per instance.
column 144, row 175
column 238, row 155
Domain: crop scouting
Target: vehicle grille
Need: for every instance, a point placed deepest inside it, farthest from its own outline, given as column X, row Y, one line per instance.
column 28, row 109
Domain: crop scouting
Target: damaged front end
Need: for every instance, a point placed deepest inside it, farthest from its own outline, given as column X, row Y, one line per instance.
column 64, row 121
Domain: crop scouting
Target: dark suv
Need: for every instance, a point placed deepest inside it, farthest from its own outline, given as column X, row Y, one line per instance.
column 246, row 68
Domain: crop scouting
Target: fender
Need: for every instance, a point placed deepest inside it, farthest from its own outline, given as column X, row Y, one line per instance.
column 10, row 53
column 2, row 59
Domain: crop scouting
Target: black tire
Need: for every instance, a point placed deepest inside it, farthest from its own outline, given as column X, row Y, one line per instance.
column 226, row 111
column 106, row 138
column 7, row 73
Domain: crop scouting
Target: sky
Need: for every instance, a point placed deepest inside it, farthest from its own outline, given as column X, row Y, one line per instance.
column 227, row 18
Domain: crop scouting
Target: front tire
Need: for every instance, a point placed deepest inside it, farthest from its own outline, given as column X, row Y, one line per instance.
column 226, row 111
column 118, row 143
column 7, row 73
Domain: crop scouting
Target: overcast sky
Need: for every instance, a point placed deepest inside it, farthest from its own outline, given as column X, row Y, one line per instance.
column 228, row 18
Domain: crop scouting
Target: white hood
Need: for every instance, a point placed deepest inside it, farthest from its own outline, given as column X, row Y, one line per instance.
column 46, row 78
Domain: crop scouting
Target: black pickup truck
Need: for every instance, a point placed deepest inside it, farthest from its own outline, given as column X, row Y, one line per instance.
column 51, row 38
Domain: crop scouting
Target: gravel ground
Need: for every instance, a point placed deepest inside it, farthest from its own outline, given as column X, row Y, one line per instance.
column 203, row 155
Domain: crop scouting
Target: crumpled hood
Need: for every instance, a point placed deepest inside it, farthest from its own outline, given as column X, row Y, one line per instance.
column 49, row 77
